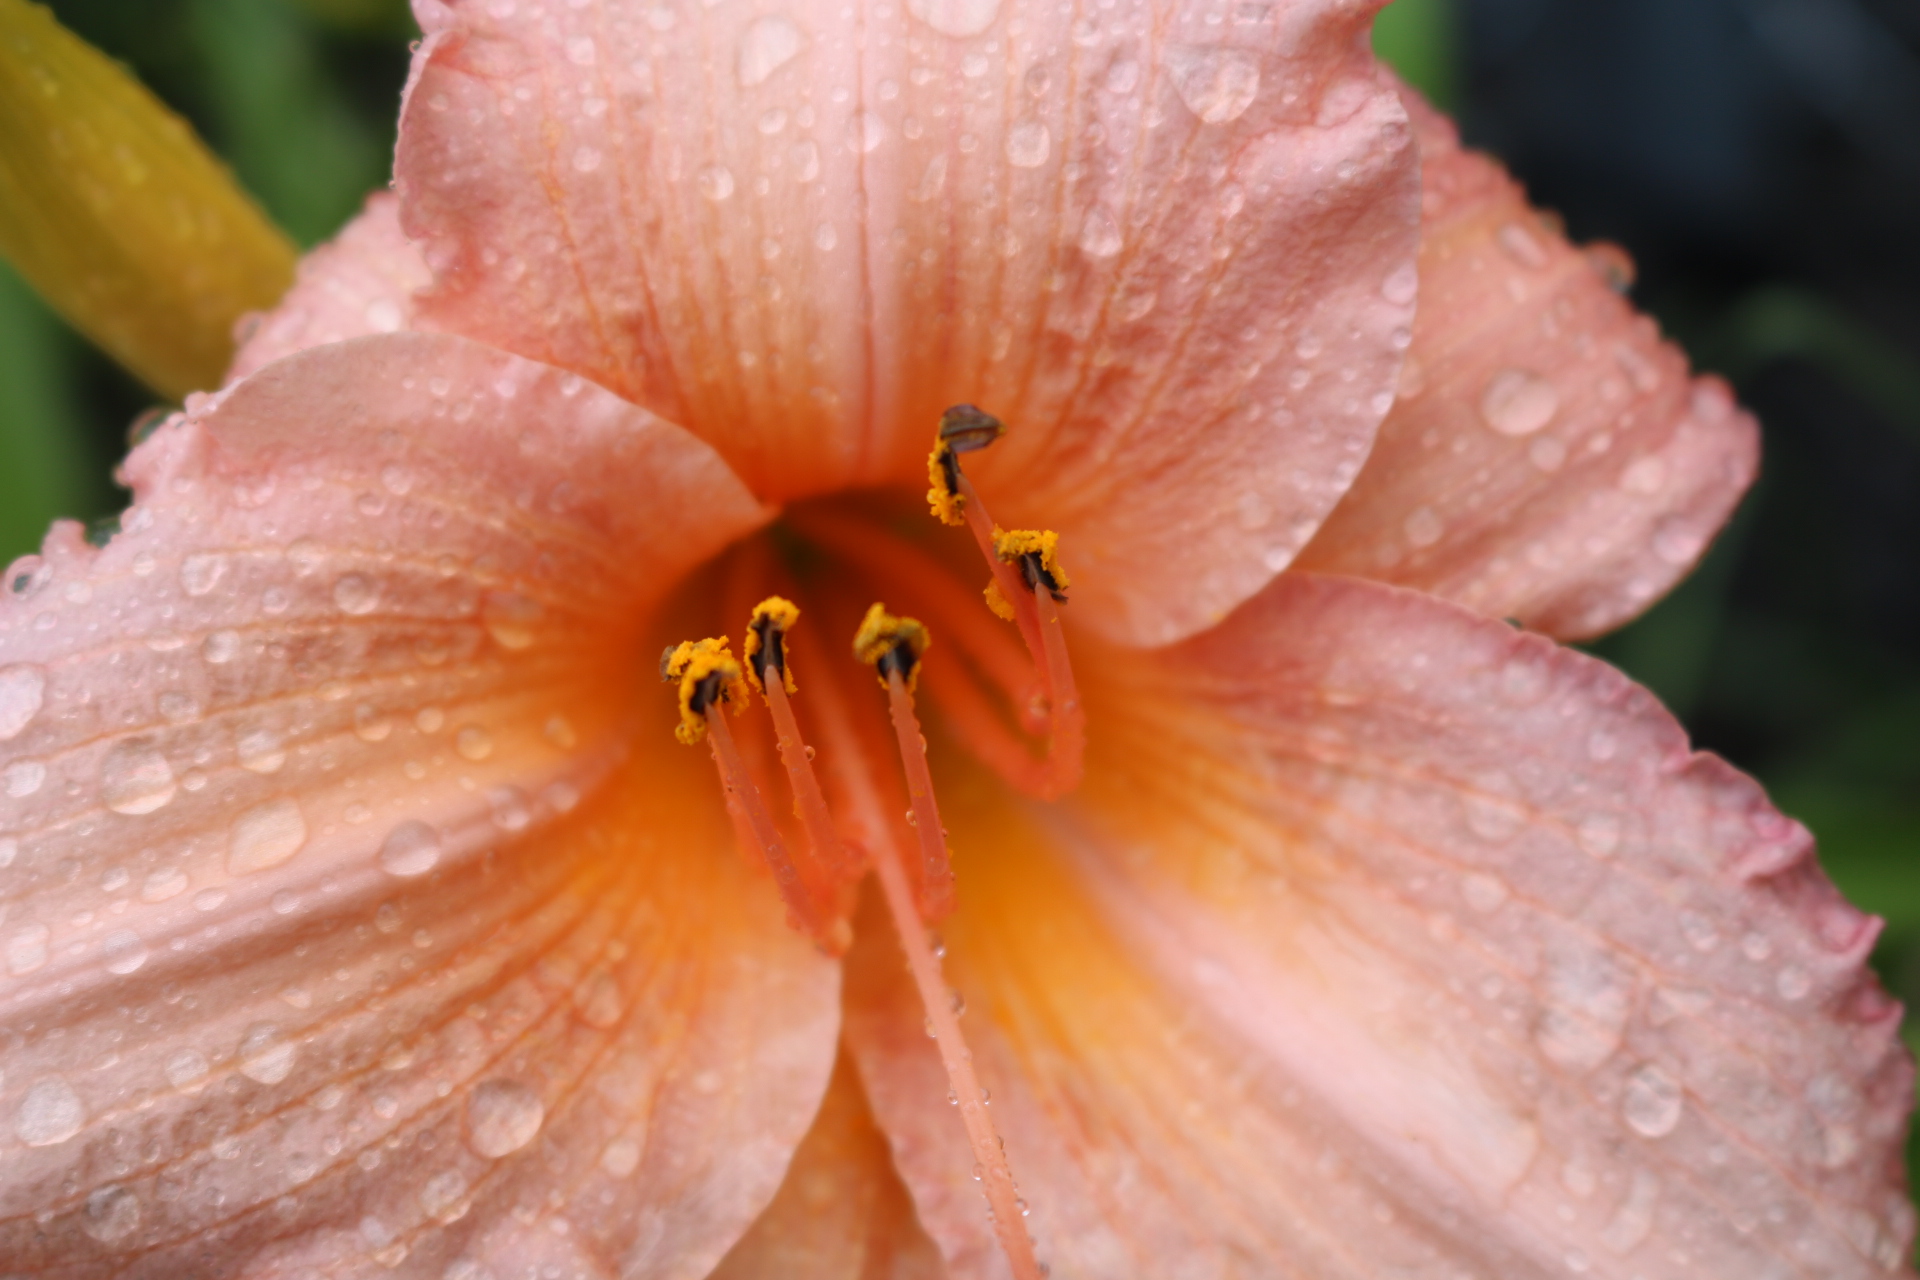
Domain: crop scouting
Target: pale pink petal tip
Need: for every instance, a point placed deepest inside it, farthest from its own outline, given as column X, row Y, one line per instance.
column 1548, row 458
column 361, row 282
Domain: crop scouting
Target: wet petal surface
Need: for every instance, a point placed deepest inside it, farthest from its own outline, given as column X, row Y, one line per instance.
column 343, row 930
column 1171, row 250
column 1549, row 458
column 1390, row 940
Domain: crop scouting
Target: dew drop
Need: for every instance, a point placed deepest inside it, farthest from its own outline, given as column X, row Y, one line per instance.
column 1518, row 403
column 766, row 45
column 410, row 849
column 111, row 1214
column 369, row 725
column 621, row 1157
column 356, row 593
column 123, row 951
column 1651, row 1104
column 260, row 751
column 186, row 1068
column 1522, row 245
column 473, row 743
column 1217, row 85
column 266, row 836
column 956, row 17
column 135, row 778
column 1484, row 892
column 23, row 689
column 49, row 1114
column 1028, row 145
column 1793, row 983
column 444, row 1197
column 866, row 131
column 266, row 1056
column 1599, row 834
column 1099, row 234
column 1423, row 527
column 27, row 948
column 715, row 182
column 24, row 777
column 502, row 1117
column 511, row 618
column 202, row 573
column 221, row 647
column 168, row 882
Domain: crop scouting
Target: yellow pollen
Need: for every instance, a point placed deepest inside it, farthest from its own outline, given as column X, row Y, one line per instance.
column 707, row 673
column 1036, row 552
column 963, row 429
column 766, row 632
column 885, row 641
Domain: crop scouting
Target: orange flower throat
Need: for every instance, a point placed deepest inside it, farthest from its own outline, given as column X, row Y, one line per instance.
column 1027, row 587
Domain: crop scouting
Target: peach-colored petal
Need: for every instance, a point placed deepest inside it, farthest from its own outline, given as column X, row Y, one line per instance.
column 342, row 931
column 1171, row 250
column 1548, row 458
column 360, row 282
column 1390, row 940
column 842, row 1213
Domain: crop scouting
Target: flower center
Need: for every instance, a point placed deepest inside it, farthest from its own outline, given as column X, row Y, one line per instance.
column 831, row 558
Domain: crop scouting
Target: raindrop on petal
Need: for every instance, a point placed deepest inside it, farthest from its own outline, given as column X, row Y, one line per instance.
column 502, row 1117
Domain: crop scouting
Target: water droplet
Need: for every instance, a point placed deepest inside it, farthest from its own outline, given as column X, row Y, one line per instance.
column 1522, row 246
column 168, row 882
column 559, row 731
column 766, row 45
column 1589, row 997
column 356, row 593
column 202, row 573
column 1599, row 834
column 866, row 131
column 187, row 1068
column 112, row 1214
column 1099, row 234
column 221, row 647
column 444, row 1197
column 599, row 1001
column 621, row 1157
column 123, row 951
column 49, row 1114
column 24, row 778
column 1652, row 1102
column 1484, row 892
column 265, row 1055
column 260, row 751
column 23, row 688
column 1518, row 403
column 266, row 836
column 369, row 725
column 1028, row 145
column 509, row 805
column 502, row 1117
column 511, row 618
column 1401, row 287
column 956, row 17
column 1423, row 527
column 135, row 778
column 473, row 743
column 410, row 849
column 1217, row 85
column 715, row 182
column 1793, row 983
column 1678, row 541
column 27, row 948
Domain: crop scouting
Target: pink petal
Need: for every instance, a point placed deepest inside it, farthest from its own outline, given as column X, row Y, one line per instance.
column 1393, row 941
column 344, row 926
column 842, row 1213
column 360, row 282
column 1549, row 459
column 1172, row 252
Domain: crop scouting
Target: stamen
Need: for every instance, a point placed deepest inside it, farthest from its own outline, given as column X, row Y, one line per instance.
column 893, row 647
column 923, row 963
column 767, row 653
column 1027, row 589
column 709, row 678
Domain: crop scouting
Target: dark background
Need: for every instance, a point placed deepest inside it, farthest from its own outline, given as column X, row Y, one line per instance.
column 1760, row 158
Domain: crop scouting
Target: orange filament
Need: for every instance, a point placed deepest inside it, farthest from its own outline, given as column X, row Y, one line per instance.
column 989, row 1153
column 894, row 647
column 708, row 678
column 1066, row 748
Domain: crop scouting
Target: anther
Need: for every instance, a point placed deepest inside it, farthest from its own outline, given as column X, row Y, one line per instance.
column 963, row 429
column 893, row 647
column 709, row 678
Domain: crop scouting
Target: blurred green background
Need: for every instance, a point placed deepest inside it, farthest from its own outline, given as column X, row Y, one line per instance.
column 1761, row 158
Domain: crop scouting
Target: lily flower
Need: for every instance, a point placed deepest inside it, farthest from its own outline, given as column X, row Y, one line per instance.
column 1297, row 915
